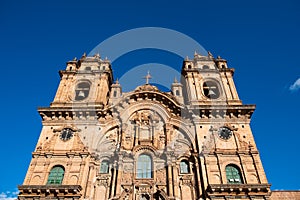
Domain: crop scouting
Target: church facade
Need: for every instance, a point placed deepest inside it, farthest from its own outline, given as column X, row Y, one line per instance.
column 193, row 142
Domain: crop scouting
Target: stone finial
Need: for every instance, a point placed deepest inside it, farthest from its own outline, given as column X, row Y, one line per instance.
column 175, row 80
column 97, row 55
column 117, row 82
column 210, row 54
column 83, row 55
column 75, row 59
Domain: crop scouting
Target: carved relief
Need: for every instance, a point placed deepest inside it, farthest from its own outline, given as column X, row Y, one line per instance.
column 108, row 144
column 161, row 176
column 127, row 178
column 242, row 143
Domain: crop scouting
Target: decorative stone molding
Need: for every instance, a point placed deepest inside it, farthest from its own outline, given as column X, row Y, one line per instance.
column 43, row 191
column 239, row 189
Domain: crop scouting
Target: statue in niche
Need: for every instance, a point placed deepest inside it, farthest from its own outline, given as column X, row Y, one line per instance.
column 142, row 118
column 143, row 123
column 145, row 133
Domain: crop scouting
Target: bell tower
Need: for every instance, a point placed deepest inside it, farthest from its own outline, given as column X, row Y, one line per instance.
column 62, row 165
column 229, row 159
column 85, row 81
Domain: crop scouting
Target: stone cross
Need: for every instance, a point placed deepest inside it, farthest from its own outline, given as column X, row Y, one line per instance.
column 147, row 77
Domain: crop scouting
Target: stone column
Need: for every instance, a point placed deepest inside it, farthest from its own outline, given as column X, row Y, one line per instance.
column 113, row 185
column 170, row 181
column 88, row 185
column 136, row 135
column 81, row 176
column 203, row 171
column 119, row 176
column 176, row 182
column 191, row 87
column 197, row 169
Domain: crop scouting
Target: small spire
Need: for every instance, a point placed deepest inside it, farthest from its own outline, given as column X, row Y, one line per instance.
column 83, row 55
column 75, row 59
column 97, row 55
column 147, row 77
column 219, row 57
column 175, row 80
column 106, row 58
column 210, row 54
column 186, row 58
column 195, row 53
column 117, row 81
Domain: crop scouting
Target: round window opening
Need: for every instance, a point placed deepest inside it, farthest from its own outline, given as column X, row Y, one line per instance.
column 211, row 90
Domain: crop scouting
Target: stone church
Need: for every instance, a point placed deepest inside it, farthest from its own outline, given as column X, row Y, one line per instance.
column 99, row 143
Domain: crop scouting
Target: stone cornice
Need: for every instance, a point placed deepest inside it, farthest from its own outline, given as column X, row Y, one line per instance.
column 50, row 190
column 154, row 95
column 222, row 111
column 60, row 154
column 202, row 112
column 97, row 111
column 238, row 189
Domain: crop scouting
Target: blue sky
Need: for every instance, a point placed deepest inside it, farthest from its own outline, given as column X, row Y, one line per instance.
column 260, row 39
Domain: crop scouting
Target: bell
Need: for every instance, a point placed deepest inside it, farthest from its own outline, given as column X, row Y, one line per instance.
column 211, row 93
column 81, row 94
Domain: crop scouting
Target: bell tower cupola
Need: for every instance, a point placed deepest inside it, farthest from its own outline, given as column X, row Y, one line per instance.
column 85, row 81
column 177, row 91
column 116, row 92
column 208, row 80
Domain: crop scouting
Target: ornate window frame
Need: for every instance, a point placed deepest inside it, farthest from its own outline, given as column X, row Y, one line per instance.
column 233, row 174
column 56, row 175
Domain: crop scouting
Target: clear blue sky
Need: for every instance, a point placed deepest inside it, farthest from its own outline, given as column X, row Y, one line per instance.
column 260, row 39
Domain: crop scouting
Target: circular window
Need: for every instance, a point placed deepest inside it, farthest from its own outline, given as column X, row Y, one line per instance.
column 211, row 90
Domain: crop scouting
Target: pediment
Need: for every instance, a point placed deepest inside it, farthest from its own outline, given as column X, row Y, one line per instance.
column 150, row 95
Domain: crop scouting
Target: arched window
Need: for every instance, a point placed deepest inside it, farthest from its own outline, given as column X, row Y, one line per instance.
column 115, row 93
column 205, row 67
column 184, row 167
column 233, row 175
column 56, row 175
column 144, row 166
column 82, row 91
column 104, row 168
column 211, row 90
